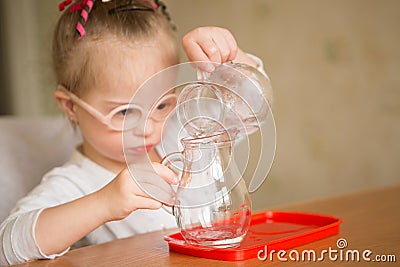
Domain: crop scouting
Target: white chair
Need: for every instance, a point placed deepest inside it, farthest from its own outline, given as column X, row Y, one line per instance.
column 29, row 147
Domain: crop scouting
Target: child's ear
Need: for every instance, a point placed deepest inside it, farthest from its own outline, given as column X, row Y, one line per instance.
column 65, row 103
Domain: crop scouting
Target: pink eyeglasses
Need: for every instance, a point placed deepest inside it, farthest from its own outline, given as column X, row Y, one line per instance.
column 127, row 117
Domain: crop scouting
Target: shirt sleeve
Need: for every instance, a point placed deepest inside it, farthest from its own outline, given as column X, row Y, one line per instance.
column 260, row 64
column 17, row 234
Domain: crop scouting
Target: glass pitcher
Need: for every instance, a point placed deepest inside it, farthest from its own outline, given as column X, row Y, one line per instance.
column 212, row 205
column 234, row 95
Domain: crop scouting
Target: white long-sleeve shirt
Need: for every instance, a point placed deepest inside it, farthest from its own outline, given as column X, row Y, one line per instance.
column 77, row 178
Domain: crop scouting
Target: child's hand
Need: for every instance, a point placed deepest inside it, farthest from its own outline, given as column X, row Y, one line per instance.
column 210, row 44
column 122, row 195
column 213, row 44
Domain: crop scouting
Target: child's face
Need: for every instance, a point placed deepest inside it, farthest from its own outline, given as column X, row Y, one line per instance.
column 119, row 73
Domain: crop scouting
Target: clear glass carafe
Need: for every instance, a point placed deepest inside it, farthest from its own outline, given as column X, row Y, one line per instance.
column 233, row 96
column 212, row 205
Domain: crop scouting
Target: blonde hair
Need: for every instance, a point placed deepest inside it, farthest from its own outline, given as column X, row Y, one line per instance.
column 118, row 21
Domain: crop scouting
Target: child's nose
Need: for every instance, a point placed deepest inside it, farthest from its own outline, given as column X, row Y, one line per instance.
column 145, row 128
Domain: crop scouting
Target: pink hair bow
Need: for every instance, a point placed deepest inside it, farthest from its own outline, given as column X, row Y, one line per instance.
column 86, row 6
column 63, row 4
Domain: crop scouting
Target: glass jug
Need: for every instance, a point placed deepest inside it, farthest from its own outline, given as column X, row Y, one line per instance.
column 212, row 205
column 234, row 95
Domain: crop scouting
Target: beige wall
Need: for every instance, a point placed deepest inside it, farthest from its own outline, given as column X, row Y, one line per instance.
column 335, row 69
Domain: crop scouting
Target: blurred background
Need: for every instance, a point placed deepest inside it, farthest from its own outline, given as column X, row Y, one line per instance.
column 334, row 66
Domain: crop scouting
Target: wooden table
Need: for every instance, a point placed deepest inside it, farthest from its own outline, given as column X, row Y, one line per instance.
column 371, row 222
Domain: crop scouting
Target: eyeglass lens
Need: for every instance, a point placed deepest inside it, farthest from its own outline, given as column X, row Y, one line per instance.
column 133, row 115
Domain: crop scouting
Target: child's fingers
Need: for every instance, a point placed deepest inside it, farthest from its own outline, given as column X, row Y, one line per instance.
column 195, row 53
column 210, row 44
column 226, row 48
column 191, row 43
column 159, row 192
column 211, row 49
column 201, row 50
column 233, row 47
column 147, row 203
column 166, row 173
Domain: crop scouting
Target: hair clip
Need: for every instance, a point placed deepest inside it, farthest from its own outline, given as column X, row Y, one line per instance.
column 126, row 8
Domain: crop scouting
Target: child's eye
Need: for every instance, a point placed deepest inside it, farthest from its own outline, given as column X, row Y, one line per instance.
column 125, row 112
column 163, row 106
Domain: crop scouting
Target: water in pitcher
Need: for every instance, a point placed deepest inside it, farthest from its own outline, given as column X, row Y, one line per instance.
column 222, row 234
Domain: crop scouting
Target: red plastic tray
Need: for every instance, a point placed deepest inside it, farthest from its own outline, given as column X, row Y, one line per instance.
column 277, row 229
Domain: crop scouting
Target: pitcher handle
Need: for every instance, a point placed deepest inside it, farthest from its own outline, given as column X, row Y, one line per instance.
column 168, row 161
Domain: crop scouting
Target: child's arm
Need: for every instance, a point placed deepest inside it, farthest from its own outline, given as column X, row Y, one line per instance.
column 214, row 44
column 61, row 226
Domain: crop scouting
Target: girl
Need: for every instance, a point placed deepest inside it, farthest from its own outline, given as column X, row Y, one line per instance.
column 102, row 52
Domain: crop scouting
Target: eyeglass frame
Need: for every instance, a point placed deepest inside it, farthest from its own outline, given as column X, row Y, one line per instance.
column 106, row 119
